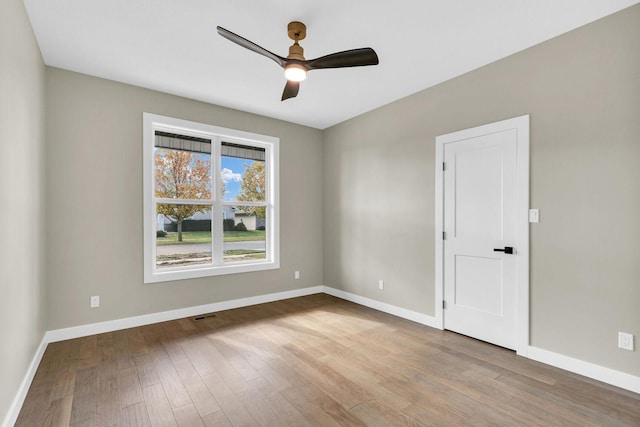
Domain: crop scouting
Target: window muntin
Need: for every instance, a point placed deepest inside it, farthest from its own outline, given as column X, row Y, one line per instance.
column 209, row 211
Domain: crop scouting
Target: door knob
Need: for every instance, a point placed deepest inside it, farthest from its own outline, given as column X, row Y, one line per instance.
column 506, row 250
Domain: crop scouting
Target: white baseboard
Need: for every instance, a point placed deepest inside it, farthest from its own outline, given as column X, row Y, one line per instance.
column 414, row 316
column 163, row 316
column 587, row 369
column 16, row 405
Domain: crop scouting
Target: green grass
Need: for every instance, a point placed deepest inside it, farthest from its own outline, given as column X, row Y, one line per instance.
column 205, row 237
column 243, row 236
column 187, row 237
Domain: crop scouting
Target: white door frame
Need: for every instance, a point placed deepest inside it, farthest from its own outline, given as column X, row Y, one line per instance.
column 521, row 125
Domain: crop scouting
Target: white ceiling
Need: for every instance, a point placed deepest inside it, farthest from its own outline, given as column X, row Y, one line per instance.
column 172, row 45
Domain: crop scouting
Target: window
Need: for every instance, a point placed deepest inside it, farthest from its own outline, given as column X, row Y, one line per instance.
column 210, row 200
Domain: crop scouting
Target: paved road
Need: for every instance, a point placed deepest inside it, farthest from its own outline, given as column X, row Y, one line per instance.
column 252, row 245
column 206, row 247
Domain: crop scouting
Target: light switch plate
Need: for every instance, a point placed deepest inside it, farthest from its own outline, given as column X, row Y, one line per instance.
column 534, row 215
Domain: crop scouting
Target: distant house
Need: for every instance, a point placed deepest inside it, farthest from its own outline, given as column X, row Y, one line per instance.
column 252, row 222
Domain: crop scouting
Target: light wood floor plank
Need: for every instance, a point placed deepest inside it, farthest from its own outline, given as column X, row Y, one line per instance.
column 122, row 351
column 158, row 406
column 136, row 416
column 187, row 416
column 108, row 412
column 83, row 409
column 193, row 348
column 289, row 415
column 169, row 378
column 59, row 412
column 317, row 405
column 216, row 419
column 374, row 413
column 146, row 369
column 233, row 408
column 108, row 403
column 129, row 389
column 259, row 407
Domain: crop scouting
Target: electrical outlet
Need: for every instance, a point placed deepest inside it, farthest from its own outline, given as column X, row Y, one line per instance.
column 534, row 215
column 296, row 275
column 625, row 341
column 380, row 284
column 95, row 301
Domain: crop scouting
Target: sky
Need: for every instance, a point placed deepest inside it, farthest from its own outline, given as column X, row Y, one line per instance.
column 232, row 170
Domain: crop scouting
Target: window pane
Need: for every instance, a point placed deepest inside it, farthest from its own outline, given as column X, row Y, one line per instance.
column 183, row 235
column 181, row 174
column 244, row 234
column 242, row 173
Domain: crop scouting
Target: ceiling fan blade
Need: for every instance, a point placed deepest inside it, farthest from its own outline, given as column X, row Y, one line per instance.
column 251, row 46
column 290, row 90
column 347, row 58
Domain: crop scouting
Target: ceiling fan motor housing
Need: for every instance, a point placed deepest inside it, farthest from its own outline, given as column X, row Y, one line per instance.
column 297, row 30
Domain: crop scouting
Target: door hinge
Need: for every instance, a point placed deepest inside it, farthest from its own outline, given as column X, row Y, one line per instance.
column 444, row 166
column 444, row 305
column 444, row 235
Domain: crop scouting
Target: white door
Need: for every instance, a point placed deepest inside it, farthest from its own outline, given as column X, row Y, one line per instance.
column 481, row 245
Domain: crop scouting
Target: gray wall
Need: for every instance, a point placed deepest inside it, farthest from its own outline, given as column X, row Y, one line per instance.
column 94, row 202
column 22, row 294
column 582, row 90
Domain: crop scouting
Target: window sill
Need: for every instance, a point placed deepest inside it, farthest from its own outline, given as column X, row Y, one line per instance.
column 208, row 271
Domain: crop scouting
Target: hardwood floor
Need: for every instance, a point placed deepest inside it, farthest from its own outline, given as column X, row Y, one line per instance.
column 314, row 360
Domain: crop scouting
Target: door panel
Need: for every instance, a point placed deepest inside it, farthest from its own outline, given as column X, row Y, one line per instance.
column 478, row 284
column 480, row 201
column 478, row 192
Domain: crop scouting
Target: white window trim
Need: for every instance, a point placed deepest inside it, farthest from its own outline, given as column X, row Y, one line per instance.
column 153, row 122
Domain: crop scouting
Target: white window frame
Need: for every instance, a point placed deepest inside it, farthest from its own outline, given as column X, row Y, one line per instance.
column 217, row 135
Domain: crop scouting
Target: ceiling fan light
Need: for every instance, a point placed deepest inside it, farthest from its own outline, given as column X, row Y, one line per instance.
column 295, row 72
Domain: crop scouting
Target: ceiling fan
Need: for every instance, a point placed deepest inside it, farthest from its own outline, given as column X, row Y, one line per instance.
column 295, row 66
